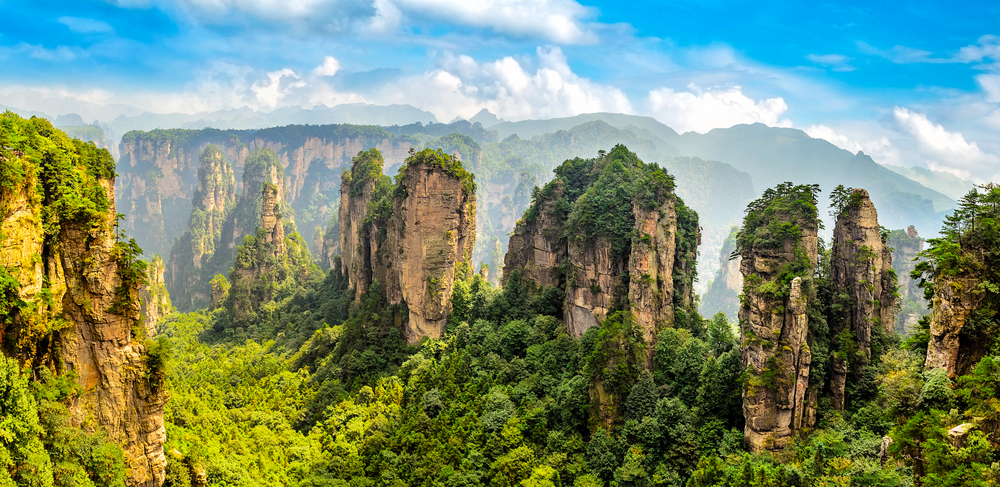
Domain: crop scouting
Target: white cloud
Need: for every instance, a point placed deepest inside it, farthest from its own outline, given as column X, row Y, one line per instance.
column 701, row 110
column 86, row 26
column 990, row 83
column 838, row 62
column 945, row 150
column 329, row 67
column 559, row 21
column 461, row 86
column 880, row 149
column 988, row 47
column 272, row 91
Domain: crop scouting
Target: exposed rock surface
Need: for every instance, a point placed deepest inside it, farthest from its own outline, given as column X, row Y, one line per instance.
column 778, row 399
column 415, row 238
column 430, row 241
column 905, row 247
column 724, row 291
column 213, row 200
column 81, row 315
column 954, row 300
column 154, row 296
column 645, row 273
column 229, row 225
column 159, row 171
column 861, row 270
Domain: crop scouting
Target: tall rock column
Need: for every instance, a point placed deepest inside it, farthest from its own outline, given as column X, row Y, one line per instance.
column 359, row 187
column 861, row 270
column 430, row 239
column 778, row 247
column 78, row 307
column 651, row 265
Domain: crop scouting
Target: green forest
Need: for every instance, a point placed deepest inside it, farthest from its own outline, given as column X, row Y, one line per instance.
column 316, row 386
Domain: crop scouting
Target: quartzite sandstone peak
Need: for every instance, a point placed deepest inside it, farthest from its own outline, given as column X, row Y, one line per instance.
column 415, row 238
column 778, row 399
column 861, row 270
column 80, row 306
column 613, row 246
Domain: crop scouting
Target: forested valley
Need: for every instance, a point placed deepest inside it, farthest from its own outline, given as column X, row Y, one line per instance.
column 390, row 349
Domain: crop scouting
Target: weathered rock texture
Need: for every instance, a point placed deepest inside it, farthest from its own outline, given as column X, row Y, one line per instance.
column 154, row 296
column 954, row 300
column 415, row 238
column 905, row 247
column 80, row 315
column 213, row 200
column 861, row 271
column 159, row 171
column 778, row 399
column 187, row 282
column 649, row 273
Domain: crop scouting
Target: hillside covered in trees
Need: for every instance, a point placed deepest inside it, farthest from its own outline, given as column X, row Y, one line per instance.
column 407, row 361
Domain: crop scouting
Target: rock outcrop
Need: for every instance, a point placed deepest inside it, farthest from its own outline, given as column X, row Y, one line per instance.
column 638, row 255
column 77, row 286
column 861, row 271
column 213, row 200
column 955, row 298
column 188, row 284
column 415, row 238
column 154, row 296
column 159, row 171
column 906, row 244
column 778, row 399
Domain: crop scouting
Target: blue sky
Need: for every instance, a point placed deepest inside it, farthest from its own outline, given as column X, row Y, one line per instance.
column 910, row 83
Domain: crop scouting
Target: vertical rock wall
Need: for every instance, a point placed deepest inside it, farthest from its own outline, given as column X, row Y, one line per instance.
column 777, row 399
column 861, row 270
column 82, row 317
column 431, row 237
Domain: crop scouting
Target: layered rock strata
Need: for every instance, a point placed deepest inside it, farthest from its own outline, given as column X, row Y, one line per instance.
column 649, row 271
column 778, row 399
column 415, row 238
column 154, row 296
column 861, row 271
column 79, row 307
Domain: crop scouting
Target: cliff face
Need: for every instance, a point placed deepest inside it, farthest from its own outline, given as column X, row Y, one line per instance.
column 154, row 296
column 362, row 185
column 906, row 244
column 778, row 399
column 861, row 270
column 415, row 238
column 218, row 225
column 429, row 243
column 79, row 290
column 213, row 200
column 624, row 252
column 949, row 348
column 159, row 171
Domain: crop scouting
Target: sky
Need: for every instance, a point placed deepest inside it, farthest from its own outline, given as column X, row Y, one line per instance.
column 909, row 83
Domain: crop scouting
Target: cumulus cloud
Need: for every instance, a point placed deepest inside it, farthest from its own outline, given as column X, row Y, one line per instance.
column 508, row 87
column 946, row 151
column 86, row 26
column 329, row 67
column 837, row 62
column 701, row 110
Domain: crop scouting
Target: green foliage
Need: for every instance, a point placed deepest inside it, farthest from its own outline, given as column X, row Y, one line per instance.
column 451, row 165
column 779, row 214
column 843, row 199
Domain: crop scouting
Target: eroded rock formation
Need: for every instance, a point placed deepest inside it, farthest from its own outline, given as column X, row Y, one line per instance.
column 647, row 268
column 159, row 171
column 79, row 309
column 415, row 238
column 954, row 300
column 861, row 271
column 778, row 399
column 154, row 296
